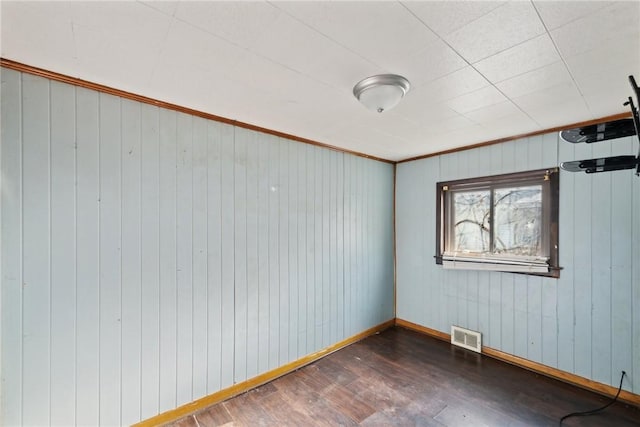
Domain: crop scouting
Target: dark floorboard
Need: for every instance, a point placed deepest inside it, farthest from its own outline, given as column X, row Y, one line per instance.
column 402, row 378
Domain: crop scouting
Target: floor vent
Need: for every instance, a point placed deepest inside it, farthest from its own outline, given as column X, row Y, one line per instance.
column 471, row 340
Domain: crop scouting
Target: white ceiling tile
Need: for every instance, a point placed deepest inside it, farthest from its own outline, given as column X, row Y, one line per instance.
column 557, row 13
column 51, row 46
column 513, row 124
column 123, row 43
column 445, row 17
column 459, row 137
column 536, row 80
column 606, row 103
column 366, row 28
column 301, row 48
column 562, row 112
column 498, row 30
column 492, row 112
column 427, row 114
column 241, row 23
column 165, row 6
column 620, row 21
column 622, row 59
column 433, row 61
column 547, row 97
column 478, row 99
column 451, row 86
column 527, row 56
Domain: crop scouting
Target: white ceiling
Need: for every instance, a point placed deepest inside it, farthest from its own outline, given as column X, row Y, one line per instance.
column 479, row 70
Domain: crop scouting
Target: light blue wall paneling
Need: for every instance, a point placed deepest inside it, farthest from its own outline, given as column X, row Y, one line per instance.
column 150, row 258
column 581, row 323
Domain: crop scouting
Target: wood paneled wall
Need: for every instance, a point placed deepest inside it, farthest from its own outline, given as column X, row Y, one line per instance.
column 150, row 257
column 582, row 323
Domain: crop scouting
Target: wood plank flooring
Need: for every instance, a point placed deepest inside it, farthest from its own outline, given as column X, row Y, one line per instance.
column 402, row 378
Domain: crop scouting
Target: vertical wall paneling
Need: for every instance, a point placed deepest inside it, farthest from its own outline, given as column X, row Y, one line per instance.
column 317, row 247
column 311, row 164
column 216, row 134
column 333, row 245
column 88, row 258
column 264, row 191
column 199, row 257
column 273, row 188
column 63, row 255
column 227, row 225
column 601, row 270
column 292, row 228
column 621, row 265
column 150, row 260
column 168, row 292
column 131, row 262
column 326, row 248
column 301, row 209
column 11, row 246
column 36, row 234
column 150, row 257
column 283, row 216
column 582, row 263
column 581, row 323
column 110, row 198
column 184, row 257
column 253, row 188
column 339, row 250
column 240, row 252
column 549, row 291
column 566, row 325
column 635, row 287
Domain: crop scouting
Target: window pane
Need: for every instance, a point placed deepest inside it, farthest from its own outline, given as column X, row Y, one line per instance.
column 518, row 220
column 471, row 211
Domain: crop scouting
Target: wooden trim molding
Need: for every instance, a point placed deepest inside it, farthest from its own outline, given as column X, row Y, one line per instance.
column 523, row 135
column 51, row 75
column 539, row 368
column 239, row 388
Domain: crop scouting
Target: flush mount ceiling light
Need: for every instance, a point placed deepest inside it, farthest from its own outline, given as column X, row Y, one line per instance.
column 382, row 92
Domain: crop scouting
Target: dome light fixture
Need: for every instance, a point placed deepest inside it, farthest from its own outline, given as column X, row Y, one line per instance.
column 381, row 92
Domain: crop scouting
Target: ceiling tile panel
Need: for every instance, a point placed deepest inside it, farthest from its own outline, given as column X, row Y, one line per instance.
column 536, row 80
column 562, row 112
column 241, row 23
column 527, row 56
column 478, row 99
column 301, row 48
column 621, row 20
column 166, row 7
column 555, row 14
column 433, row 61
column 448, row 87
column 498, row 30
column 366, row 28
column 613, row 62
column 548, row 97
column 50, row 46
column 492, row 112
column 446, row 17
column 513, row 124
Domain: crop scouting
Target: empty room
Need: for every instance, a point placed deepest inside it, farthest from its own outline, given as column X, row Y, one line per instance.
column 296, row 213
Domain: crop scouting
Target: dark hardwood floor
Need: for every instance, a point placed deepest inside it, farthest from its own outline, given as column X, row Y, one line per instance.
column 402, row 378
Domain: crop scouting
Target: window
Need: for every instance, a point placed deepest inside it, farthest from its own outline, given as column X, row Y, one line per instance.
column 500, row 223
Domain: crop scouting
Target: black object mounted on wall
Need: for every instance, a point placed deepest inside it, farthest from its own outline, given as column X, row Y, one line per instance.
column 603, row 132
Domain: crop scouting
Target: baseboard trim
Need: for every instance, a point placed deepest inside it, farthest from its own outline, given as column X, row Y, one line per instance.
column 239, row 388
column 539, row 368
